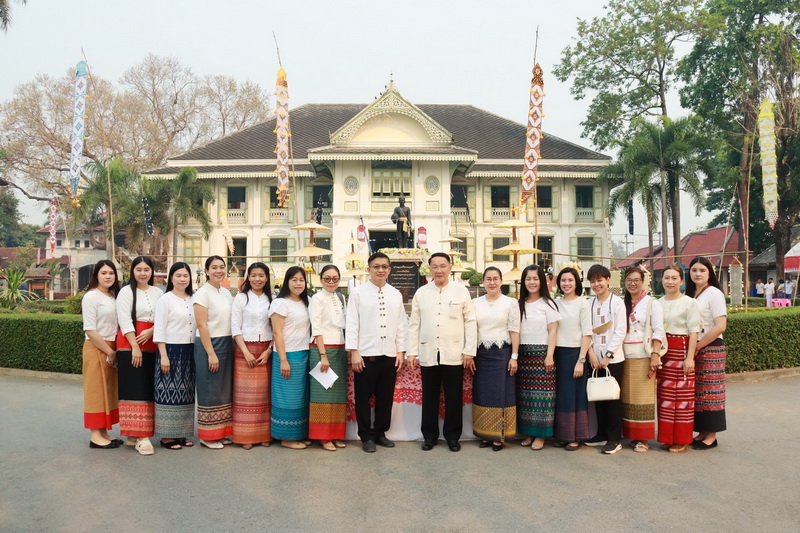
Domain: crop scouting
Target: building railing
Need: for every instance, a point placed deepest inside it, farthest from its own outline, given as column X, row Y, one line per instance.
column 327, row 216
column 278, row 215
column 237, row 216
column 584, row 214
column 500, row 214
column 460, row 214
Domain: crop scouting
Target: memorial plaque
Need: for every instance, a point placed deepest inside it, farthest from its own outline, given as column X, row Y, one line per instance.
column 405, row 278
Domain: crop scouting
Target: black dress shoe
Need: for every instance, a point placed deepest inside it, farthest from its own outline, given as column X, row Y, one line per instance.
column 453, row 445
column 496, row 447
column 700, row 445
column 368, row 446
column 383, row 441
column 484, row 444
column 428, row 445
column 111, row 445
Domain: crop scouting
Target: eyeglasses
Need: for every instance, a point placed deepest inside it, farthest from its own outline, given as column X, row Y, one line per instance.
column 331, row 280
column 633, row 281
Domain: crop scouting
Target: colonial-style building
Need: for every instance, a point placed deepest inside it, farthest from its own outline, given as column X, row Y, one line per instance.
column 459, row 168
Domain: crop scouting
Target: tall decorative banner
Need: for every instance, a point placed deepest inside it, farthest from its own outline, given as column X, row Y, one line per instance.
column 769, row 171
column 53, row 225
column 226, row 230
column 282, row 129
column 530, row 172
column 148, row 220
column 78, row 130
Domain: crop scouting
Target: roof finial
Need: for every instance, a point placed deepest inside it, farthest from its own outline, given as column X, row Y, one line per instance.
column 391, row 81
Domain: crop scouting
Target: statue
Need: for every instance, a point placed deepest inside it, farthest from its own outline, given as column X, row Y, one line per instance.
column 402, row 217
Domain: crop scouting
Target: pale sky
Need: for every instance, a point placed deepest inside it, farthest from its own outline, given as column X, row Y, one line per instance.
column 439, row 52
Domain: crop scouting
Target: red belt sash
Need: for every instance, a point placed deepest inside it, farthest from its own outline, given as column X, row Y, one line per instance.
column 149, row 346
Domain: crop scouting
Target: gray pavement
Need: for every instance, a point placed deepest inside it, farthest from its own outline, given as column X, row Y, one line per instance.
column 52, row 480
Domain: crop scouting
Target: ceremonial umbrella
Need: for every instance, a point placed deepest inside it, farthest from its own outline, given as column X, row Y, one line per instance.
column 312, row 226
column 452, row 239
column 353, row 257
column 310, row 251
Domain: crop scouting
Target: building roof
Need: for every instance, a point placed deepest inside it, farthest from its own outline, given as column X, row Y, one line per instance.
column 708, row 242
column 766, row 259
column 473, row 130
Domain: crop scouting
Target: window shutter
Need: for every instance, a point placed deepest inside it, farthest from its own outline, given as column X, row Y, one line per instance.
column 470, row 242
column 513, row 194
column 598, row 245
column 264, row 249
column 487, row 203
column 573, row 248
column 223, row 202
column 598, row 204
column 487, row 249
column 556, row 209
column 291, row 245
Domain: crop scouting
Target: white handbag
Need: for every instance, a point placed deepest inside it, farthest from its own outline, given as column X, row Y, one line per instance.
column 601, row 389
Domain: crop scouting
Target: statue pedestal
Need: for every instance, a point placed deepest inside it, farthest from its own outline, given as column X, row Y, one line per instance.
column 405, row 276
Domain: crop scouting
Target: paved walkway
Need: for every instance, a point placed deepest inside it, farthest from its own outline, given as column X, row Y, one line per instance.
column 52, row 480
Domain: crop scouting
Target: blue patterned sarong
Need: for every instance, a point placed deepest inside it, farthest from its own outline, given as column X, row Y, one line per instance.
column 289, row 417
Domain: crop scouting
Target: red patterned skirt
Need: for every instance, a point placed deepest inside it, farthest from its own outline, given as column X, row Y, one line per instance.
column 709, row 388
column 251, row 397
column 137, row 407
column 675, row 394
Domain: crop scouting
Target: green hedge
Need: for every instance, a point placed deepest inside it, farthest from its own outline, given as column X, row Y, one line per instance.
column 41, row 342
column 762, row 340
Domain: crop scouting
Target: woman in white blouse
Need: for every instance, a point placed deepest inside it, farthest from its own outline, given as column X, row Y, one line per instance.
column 536, row 377
column 327, row 313
column 572, row 344
column 710, row 355
column 494, row 411
column 291, row 329
column 676, row 377
column 252, row 335
column 642, row 360
column 174, row 384
column 100, row 402
column 213, row 357
column 136, row 355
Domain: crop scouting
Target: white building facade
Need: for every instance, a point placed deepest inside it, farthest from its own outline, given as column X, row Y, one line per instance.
column 458, row 167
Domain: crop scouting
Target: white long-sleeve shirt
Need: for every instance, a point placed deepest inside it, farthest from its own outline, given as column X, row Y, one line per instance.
column 250, row 317
column 328, row 317
column 637, row 327
column 376, row 321
column 443, row 322
column 174, row 320
column 145, row 307
column 576, row 322
column 99, row 314
column 611, row 310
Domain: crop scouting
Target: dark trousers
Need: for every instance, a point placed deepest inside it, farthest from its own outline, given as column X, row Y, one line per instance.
column 451, row 379
column 377, row 378
column 609, row 413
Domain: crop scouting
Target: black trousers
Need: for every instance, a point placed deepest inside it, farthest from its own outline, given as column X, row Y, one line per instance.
column 377, row 378
column 451, row 379
column 609, row 413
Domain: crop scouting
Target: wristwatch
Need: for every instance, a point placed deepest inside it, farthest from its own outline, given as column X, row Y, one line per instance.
column 514, row 356
column 581, row 359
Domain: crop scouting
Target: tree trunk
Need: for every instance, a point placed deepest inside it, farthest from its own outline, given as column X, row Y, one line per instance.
column 783, row 238
column 650, row 231
column 664, row 232
column 676, row 223
column 174, row 238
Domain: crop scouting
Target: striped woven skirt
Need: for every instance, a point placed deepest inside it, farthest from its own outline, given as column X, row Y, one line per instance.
column 174, row 393
column 638, row 395
column 214, row 390
column 675, row 394
column 494, row 409
column 327, row 416
column 709, row 388
column 536, row 392
column 251, row 397
column 137, row 408
column 289, row 415
column 572, row 406
column 100, row 398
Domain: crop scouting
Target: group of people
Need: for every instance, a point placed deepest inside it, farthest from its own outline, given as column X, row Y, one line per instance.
column 769, row 292
column 248, row 358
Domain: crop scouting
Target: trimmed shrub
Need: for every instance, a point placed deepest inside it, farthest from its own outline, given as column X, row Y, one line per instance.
column 43, row 306
column 763, row 340
column 41, row 342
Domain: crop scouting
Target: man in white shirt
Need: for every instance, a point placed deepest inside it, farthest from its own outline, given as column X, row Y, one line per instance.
column 444, row 334
column 375, row 336
column 788, row 288
column 769, row 290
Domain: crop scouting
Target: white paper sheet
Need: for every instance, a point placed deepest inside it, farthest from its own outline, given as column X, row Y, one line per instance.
column 326, row 379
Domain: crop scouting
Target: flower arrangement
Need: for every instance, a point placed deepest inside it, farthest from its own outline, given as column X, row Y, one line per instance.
column 411, row 253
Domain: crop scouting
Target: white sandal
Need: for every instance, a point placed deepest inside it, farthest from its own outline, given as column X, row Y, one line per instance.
column 144, row 446
column 213, row 445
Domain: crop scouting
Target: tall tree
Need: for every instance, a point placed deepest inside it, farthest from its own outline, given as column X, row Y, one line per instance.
column 635, row 186
column 727, row 74
column 184, row 198
column 671, row 155
column 12, row 231
column 5, row 13
column 626, row 60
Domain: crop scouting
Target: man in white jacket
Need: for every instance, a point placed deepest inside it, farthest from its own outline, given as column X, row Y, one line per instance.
column 443, row 334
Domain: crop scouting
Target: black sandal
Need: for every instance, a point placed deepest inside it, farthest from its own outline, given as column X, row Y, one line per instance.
column 484, row 444
column 186, row 443
column 171, row 444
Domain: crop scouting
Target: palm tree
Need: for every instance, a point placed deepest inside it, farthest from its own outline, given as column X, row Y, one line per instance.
column 5, row 13
column 634, row 186
column 184, row 198
column 672, row 153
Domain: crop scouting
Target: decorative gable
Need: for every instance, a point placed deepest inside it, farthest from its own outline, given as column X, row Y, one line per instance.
column 412, row 123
